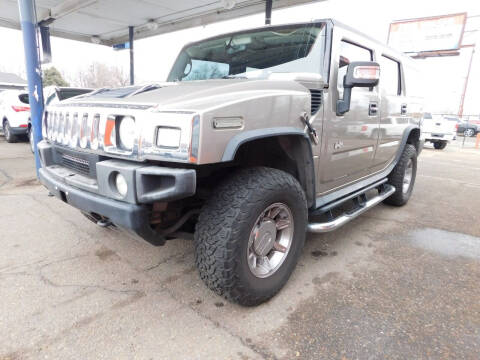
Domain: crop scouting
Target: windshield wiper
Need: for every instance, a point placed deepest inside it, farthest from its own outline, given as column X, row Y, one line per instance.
column 234, row 77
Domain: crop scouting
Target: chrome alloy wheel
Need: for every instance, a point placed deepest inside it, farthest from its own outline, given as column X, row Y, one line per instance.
column 407, row 178
column 270, row 240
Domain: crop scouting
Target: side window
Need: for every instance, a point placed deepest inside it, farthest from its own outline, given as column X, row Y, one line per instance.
column 348, row 53
column 390, row 76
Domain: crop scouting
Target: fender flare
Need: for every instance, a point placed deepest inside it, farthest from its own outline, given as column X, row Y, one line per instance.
column 307, row 177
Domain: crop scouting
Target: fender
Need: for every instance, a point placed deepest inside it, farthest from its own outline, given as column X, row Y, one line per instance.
column 305, row 164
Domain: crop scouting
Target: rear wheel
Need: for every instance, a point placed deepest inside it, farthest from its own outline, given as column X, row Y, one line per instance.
column 7, row 131
column 469, row 132
column 403, row 177
column 440, row 145
column 250, row 235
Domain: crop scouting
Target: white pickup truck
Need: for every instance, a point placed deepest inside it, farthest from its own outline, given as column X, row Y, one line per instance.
column 438, row 130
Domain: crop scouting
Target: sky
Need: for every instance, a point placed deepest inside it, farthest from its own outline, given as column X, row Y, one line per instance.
column 445, row 77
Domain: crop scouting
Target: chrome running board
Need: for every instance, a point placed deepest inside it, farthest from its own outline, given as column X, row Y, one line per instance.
column 385, row 191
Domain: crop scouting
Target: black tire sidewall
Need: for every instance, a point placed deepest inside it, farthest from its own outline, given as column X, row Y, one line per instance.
column 400, row 198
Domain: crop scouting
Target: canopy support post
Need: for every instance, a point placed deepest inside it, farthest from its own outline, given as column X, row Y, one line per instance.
column 34, row 71
column 268, row 12
column 130, row 40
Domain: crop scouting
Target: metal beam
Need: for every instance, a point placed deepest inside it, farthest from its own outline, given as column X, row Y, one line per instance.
column 268, row 12
column 132, row 64
column 65, row 8
column 34, row 72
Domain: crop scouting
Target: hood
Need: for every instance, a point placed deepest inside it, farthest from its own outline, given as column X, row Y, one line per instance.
column 198, row 95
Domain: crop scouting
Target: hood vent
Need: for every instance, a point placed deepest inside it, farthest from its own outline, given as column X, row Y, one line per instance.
column 316, row 100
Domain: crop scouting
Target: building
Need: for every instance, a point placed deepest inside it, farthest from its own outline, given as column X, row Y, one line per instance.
column 11, row 81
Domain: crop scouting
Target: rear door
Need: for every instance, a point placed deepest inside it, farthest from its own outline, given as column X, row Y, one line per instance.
column 393, row 110
column 349, row 141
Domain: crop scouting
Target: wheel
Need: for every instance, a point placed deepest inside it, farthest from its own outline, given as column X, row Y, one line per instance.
column 250, row 234
column 440, row 145
column 8, row 133
column 31, row 140
column 403, row 177
column 469, row 132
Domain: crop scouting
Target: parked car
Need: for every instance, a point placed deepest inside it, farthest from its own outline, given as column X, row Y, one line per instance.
column 53, row 95
column 14, row 114
column 469, row 128
column 438, row 130
column 245, row 147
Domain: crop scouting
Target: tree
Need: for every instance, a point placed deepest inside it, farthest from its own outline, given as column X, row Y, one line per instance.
column 52, row 76
column 98, row 75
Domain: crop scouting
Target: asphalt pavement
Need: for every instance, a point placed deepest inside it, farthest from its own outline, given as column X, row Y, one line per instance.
column 396, row 283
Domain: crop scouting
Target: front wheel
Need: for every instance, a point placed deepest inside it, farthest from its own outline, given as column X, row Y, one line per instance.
column 403, row 177
column 250, row 235
column 469, row 133
column 440, row 145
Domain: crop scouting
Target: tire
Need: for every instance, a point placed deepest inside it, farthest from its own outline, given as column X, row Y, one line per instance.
column 31, row 140
column 440, row 145
column 7, row 132
column 469, row 132
column 398, row 175
column 227, row 226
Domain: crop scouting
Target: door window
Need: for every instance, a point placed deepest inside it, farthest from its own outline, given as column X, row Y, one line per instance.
column 349, row 53
column 390, row 76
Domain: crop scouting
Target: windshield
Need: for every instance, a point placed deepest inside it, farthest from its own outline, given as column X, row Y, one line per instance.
column 252, row 54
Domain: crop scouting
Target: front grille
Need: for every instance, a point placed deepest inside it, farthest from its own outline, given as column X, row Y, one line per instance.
column 316, row 100
column 76, row 164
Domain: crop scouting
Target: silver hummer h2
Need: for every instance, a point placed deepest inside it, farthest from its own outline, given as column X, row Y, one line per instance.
column 257, row 137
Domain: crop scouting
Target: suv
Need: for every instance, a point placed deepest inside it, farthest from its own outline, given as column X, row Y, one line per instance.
column 247, row 146
column 14, row 114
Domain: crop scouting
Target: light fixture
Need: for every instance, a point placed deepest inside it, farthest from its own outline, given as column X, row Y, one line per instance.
column 152, row 25
column 95, row 39
column 228, row 4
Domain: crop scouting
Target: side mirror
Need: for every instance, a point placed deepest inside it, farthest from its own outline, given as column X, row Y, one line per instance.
column 359, row 74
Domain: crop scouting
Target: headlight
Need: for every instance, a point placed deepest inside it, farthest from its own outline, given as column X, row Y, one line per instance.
column 168, row 137
column 127, row 133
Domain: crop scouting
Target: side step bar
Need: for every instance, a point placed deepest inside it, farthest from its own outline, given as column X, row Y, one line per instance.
column 323, row 227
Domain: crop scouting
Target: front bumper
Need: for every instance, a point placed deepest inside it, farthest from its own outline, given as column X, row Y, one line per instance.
column 96, row 193
column 18, row 131
column 432, row 137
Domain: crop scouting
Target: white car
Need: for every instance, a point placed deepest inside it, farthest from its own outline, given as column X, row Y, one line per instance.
column 438, row 130
column 14, row 114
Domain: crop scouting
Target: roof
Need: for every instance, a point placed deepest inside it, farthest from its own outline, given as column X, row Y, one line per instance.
column 11, row 79
column 107, row 21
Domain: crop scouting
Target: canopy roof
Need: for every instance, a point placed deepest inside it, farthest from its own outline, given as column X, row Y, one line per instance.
column 107, row 21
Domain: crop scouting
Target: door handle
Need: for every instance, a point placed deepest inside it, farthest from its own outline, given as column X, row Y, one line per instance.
column 372, row 109
column 403, row 110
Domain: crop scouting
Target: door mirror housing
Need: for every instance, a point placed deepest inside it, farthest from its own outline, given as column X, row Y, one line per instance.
column 359, row 74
